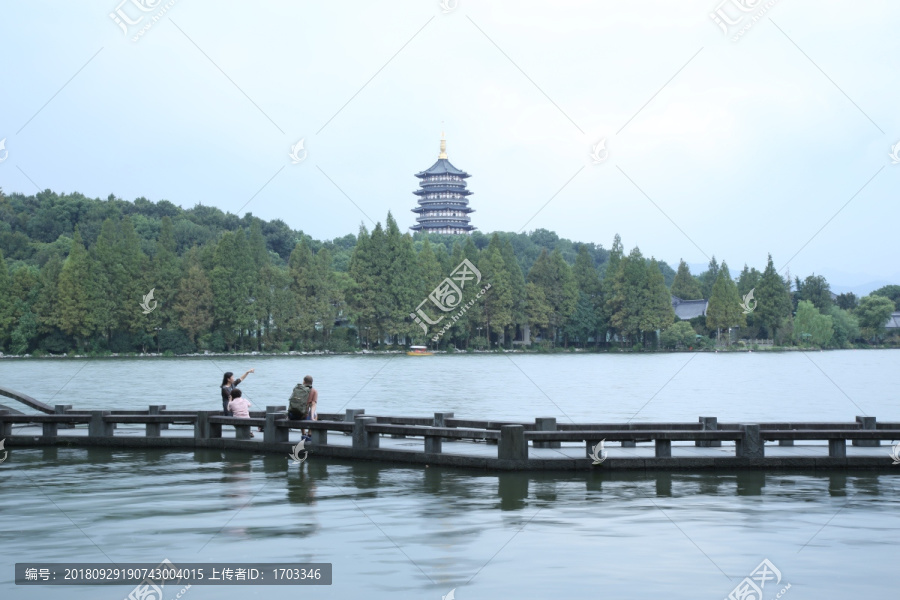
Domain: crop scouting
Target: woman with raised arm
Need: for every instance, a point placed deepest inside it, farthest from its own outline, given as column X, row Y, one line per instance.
column 228, row 384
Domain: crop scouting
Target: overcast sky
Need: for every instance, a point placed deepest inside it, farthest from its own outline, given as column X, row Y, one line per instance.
column 777, row 142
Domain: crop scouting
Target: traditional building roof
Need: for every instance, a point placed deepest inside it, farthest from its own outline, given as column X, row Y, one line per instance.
column 442, row 167
column 443, row 203
column 689, row 309
column 893, row 321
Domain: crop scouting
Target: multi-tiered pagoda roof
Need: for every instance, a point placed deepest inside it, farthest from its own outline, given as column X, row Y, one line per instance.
column 443, row 203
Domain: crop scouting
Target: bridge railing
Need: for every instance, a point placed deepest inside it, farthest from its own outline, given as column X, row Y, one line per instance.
column 512, row 439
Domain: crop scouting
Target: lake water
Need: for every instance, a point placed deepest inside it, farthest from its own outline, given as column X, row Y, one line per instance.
column 410, row 532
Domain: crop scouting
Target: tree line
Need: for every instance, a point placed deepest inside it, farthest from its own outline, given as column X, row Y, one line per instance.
column 76, row 275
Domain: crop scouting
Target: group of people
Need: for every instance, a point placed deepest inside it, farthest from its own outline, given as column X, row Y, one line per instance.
column 303, row 402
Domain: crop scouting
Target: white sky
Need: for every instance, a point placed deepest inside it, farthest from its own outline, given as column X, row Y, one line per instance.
column 752, row 146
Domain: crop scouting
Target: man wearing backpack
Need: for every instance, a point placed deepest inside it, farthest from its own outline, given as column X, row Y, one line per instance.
column 303, row 403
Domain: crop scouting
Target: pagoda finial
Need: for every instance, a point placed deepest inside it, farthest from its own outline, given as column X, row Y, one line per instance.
column 443, row 153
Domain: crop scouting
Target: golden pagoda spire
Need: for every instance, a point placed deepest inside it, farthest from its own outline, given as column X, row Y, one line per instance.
column 443, row 153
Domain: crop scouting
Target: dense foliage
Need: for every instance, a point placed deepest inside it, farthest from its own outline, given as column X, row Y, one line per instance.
column 76, row 274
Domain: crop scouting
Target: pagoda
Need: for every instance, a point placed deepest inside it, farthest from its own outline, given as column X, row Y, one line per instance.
column 443, row 203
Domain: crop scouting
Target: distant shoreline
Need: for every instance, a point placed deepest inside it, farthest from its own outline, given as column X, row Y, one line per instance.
column 460, row 352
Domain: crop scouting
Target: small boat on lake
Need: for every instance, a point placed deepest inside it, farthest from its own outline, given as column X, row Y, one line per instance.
column 419, row 351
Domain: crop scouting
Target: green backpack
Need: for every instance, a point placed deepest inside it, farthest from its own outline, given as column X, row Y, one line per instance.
column 299, row 402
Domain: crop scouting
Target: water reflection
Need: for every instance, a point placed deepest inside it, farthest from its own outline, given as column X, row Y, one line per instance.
column 450, row 522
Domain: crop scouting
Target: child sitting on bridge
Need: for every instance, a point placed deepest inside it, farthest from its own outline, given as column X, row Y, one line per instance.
column 239, row 406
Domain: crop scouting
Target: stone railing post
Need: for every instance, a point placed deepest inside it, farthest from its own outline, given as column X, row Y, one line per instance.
column 629, row 443
column 513, row 445
column 98, row 427
column 61, row 409
column 155, row 409
column 663, row 448
column 319, row 437
column 433, row 444
column 838, row 448
column 273, row 433
column 49, row 429
column 440, row 420
column 351, row 414
column 709, row 424
column 751, row 445
column 362, row 439
column 866, row 423
column 545, row 424
column 203, row 429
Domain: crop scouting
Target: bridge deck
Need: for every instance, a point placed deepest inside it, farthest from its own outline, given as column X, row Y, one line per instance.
column 466, row 448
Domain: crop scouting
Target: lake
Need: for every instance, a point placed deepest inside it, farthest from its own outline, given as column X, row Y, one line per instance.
column 410, row 532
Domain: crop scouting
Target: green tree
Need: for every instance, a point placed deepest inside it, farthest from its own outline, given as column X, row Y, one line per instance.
column 302, row 322
column 708, row 278
column 773, row 300
column 724, row 310
column 815, row 288
column 551, row 273
column 748, row 280
column 680, row 333
column 76, row 316
column 889, row 291
column 402, row 280
column 46, row 306
column 810, row 326
column 7, row 307
column 685, row 285
column 537, row 308
column 873, row 313
column 497, row 302
column 231, row 282
column 585, row 320
column 656, row 310
column 607, row 288
column 194, row 303
column 517, row 285
column 846, row 327
column 261, row 286
column 847, row 301
column 627, row 301
column 362, row 293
